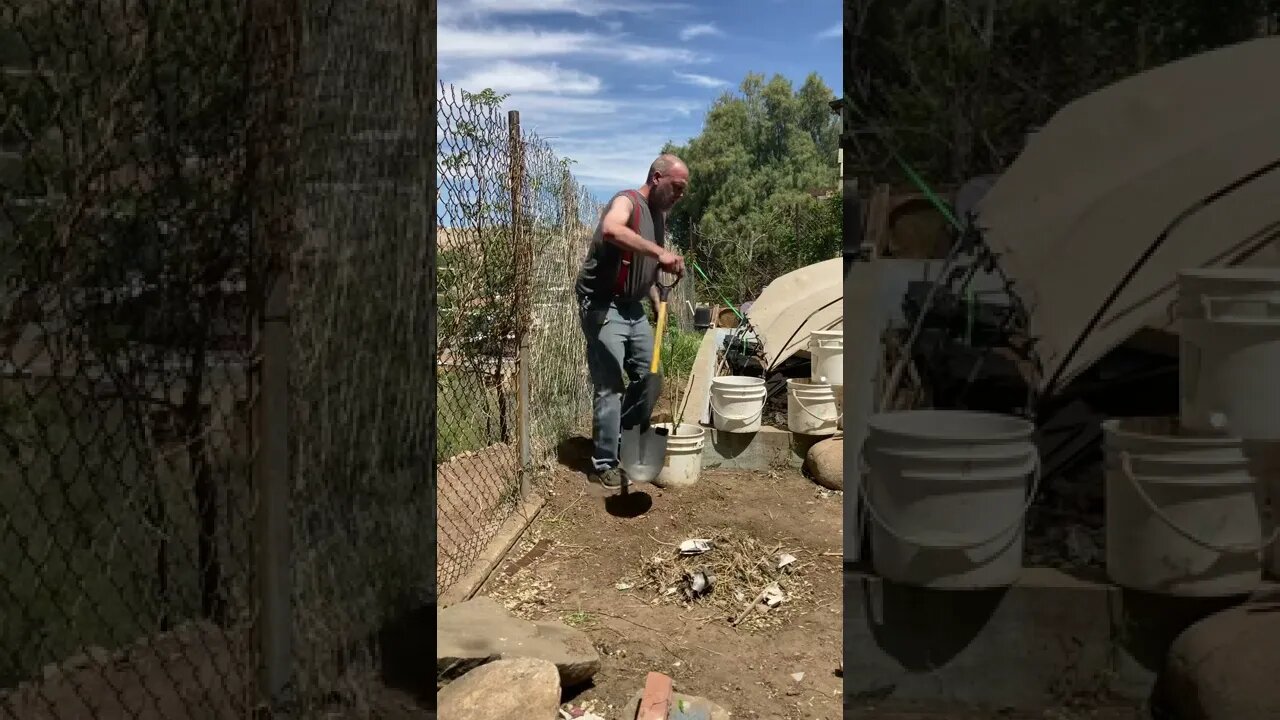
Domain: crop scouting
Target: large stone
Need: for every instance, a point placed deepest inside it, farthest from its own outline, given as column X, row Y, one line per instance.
column 695, row 708
column 825, row 463
column 519, row 689
column 478, row 631
column 1225, row 667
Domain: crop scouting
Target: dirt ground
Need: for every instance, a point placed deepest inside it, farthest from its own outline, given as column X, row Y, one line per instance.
column 913, row 711
column 597, row 563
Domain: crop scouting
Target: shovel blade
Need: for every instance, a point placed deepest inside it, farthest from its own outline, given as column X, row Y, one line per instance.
column 640, row 400
column 643, row 452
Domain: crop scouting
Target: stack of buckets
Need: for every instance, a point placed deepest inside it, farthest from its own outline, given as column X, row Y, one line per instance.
column 815, row 406
column 1191, row 501
column 737, row 406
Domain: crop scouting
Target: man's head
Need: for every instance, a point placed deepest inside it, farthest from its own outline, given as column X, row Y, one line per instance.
column 668, row 178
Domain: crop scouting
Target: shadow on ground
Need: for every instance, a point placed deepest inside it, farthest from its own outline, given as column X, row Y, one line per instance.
column 631, row 504
column 575, row 454
column 406, row 672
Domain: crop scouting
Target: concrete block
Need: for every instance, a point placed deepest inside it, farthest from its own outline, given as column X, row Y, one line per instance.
column 769, row 448
column 1046, row 639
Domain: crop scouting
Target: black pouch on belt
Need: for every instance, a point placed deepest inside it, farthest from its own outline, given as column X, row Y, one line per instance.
column 598, row 316
column 594, row 314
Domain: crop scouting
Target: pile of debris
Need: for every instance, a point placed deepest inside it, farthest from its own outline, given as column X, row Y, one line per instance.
column 744, row 581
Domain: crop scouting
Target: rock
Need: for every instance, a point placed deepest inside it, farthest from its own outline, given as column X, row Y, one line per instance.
column 1225, row 667
column 695, row 708
column 478, row 631
column 519, row 689
column 825, row 462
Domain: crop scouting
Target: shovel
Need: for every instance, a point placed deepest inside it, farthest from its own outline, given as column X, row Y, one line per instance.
column 643, row 449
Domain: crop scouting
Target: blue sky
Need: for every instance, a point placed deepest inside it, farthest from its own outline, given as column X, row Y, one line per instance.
column 608, row 83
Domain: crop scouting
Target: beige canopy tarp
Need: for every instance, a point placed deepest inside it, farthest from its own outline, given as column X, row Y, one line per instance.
column 1110, row 171
column 794, row 305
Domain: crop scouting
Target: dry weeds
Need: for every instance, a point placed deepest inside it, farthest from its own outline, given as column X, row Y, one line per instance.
column 743, row 568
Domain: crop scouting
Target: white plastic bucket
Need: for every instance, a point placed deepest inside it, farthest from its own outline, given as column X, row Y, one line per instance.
column 1230, row 349
column 1184, row 510
column 826, row 357
column 812, row 409
column 737, row 403
column 683, row 464
column 947, row 495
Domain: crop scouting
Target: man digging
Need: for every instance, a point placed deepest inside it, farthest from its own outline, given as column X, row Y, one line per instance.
column 620, row 271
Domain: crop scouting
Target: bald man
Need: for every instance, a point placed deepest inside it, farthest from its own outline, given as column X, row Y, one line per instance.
column 620, row 272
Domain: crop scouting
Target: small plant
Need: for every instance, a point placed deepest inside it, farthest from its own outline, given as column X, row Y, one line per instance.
column 680, row 351
column 579, row 619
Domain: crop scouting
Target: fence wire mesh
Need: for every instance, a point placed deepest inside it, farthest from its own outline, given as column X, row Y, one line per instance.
column 513, row 226
column 361, row 396
column 127, row 498
column 560, row 220
column 165, row 165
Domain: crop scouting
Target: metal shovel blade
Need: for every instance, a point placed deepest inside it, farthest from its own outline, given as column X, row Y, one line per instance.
column 639, row 401
column 643, row 452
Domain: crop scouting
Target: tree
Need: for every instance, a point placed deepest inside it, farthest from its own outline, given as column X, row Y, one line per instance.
column 954, row 85
column 763, row 174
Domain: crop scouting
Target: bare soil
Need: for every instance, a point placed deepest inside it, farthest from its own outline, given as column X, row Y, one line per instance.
column 595, row 560
column 910, row 711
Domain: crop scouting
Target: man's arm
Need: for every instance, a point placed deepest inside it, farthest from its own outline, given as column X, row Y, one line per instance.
column 615, row 230
column 654, row 299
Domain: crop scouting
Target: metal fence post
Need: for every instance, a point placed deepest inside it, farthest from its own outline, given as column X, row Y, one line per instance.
column 271, row 474
column 425, row 69
column 522, row 256
column 276, row 31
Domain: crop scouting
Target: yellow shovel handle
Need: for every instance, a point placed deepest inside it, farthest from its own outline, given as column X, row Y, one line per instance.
column 659, row 331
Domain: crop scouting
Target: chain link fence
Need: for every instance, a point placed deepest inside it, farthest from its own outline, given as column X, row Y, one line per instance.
column 127, row 501
column 361, row 383
column 215, row 389
column 513, row 227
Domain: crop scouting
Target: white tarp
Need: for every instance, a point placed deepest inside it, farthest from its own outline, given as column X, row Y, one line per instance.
column 796, row 304
column 1110, row 171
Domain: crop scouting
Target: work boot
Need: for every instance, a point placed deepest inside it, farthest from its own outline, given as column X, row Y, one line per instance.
column 613, row 478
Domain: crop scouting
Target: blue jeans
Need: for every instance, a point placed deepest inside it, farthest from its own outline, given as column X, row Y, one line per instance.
column 619, row 345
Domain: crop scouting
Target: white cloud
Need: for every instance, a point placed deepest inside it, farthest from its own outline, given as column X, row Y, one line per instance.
column 598, row 134
column 705, row 81
column 452, row 10
column 522, row 7
column 555, row 77
column 835, row 31
column 613, row 163
column 510, row 77
column 699, row 30
column 560, row 115
column 648, row 53
column 563, row 116
column 459, row 44
column 456, row 43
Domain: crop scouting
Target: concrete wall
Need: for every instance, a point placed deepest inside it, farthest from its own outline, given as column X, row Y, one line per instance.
column 1047, row 640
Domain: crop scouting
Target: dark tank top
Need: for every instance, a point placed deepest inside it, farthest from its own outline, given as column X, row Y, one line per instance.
column 602, row 278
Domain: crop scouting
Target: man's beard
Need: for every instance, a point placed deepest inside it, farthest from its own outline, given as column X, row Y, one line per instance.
column 661, row 199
